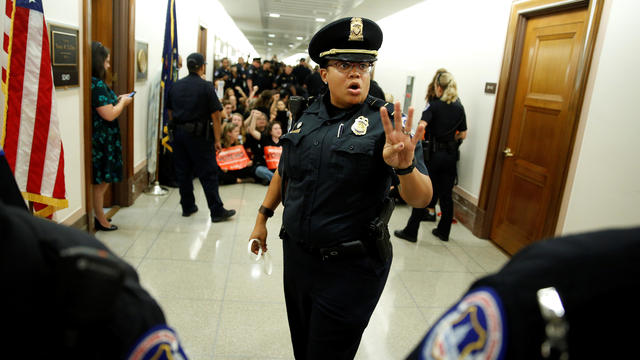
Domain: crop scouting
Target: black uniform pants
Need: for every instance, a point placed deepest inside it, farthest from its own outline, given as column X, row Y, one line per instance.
column 329, row 303
column 442, row 171
column 196, row 155
column 443, row 176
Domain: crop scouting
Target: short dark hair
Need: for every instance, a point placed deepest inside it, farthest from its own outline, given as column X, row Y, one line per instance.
column 99, row 55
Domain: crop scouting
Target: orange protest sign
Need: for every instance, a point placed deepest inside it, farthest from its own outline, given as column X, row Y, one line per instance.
column 272, row 156
column 232, row 158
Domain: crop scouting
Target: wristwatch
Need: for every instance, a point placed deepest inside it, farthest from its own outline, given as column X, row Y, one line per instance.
column 407, row 170
column 265, row 211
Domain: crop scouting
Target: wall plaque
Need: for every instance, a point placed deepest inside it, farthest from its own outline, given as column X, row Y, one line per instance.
column 142, row 51
column 64, row 55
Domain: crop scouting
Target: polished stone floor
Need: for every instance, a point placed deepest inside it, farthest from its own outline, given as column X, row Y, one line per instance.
column 224, row 306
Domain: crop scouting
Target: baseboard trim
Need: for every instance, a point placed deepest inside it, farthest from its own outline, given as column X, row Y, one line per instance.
column 466, row 211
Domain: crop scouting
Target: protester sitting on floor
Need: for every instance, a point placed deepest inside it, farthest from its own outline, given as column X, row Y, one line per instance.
column 267, row 161
column 233, row 161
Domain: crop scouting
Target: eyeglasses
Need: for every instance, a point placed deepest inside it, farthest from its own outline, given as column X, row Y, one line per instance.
column 346, row 66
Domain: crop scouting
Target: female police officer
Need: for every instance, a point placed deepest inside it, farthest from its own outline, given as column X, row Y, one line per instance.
column 333, row 178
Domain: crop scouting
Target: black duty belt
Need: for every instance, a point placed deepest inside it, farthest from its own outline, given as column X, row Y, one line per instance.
column 346, row 250
column 445, row 145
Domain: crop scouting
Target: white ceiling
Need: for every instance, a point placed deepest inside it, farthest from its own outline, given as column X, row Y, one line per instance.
column 290, row 33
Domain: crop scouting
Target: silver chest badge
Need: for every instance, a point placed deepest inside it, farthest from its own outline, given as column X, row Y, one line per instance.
column 360, row 126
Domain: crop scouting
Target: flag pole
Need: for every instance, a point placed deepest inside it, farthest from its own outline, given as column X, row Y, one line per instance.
column 154, row 188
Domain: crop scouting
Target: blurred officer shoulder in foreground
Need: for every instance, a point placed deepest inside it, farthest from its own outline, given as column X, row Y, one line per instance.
column 566, row 297
column 66, row 296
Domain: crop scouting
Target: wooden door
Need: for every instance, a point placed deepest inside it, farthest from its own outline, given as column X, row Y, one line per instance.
column 539, row 139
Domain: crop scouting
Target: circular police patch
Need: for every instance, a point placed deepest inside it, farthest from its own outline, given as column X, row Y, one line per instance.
column 474, row 328
column 161, row 342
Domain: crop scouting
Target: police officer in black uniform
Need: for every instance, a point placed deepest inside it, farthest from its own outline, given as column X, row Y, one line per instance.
column 333, row 179
column 252, row 73
column 562, row 298
column 447, row 127
column 193, row 109
column 224, row 73
column 286, row 78
column 66, row 296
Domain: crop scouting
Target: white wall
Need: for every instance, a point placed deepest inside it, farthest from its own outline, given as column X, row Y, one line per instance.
column 605, row 191
column 467, row 38
column 69, row 106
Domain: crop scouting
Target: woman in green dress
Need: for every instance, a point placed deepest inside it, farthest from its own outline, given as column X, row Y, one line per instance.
column 106, row 147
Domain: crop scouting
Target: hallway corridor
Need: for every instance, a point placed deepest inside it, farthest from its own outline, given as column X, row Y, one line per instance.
column 224, row 307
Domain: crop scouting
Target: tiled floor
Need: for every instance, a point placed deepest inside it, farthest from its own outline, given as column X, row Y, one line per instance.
column 224, row 307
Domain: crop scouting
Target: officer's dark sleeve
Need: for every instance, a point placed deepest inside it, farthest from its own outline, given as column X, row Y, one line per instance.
column 69, row 296
column 418, row 154
column 427, row 115
column 9, row 191
column 463, row 122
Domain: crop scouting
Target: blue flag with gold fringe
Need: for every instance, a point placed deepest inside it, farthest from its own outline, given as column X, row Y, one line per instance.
column 169, row 63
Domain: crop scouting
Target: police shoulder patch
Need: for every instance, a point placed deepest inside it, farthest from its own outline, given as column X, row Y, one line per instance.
column 161, row 342
column 473, row 328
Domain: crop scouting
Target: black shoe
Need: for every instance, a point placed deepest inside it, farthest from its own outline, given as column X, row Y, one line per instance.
column 223, row 215
column 193, row 210
column 403, row 235
column 99, row 226
column 440, row 236
column 429, row 217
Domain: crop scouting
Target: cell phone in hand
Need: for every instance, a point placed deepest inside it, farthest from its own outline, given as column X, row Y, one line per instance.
column 131, row 94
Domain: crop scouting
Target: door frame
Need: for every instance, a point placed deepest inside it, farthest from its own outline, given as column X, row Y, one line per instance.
column 125, row 27
column 521, row 12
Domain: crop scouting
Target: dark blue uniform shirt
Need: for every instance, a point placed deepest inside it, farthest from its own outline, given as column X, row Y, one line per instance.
column 334, row 180
column 192, row 99
column 444, row 119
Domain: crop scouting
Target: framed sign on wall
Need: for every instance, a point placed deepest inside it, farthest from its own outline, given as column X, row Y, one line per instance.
column 64, row 55
column 142, row 51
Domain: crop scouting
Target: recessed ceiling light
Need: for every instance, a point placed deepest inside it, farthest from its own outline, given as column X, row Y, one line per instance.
column 269, row 43
column 299, row 37
column 274, row 15
column 321, row 19
column 272, row 35
column 290, row 45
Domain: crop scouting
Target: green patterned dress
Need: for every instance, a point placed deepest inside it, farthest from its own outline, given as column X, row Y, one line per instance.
column 106, row 146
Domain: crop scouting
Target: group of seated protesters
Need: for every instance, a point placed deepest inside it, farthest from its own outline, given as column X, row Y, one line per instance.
column 255, row 114
column 250, row 148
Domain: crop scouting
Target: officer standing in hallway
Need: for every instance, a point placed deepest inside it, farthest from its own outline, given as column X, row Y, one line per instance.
column 447, row 127
column 333, row 180
column 194, row 113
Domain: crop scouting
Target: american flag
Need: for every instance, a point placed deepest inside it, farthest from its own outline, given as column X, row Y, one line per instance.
column 29, row 123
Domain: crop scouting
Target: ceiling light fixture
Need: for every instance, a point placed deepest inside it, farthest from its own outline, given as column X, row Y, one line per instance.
column 321, row 19
column 272, row 35
column 269, row 43
column 299, row 37
column 274, row 15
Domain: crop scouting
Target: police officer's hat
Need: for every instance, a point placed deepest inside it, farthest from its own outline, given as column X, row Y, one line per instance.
column 194, row 61
column 347, row 39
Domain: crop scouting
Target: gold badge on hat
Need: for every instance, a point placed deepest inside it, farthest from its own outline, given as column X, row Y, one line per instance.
column 360, row 126
column 356, row 33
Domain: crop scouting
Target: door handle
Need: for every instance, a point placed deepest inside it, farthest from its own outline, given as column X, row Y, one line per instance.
column 507, row 152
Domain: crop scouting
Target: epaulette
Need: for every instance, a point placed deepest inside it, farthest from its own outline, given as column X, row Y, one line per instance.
column 378, row 103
